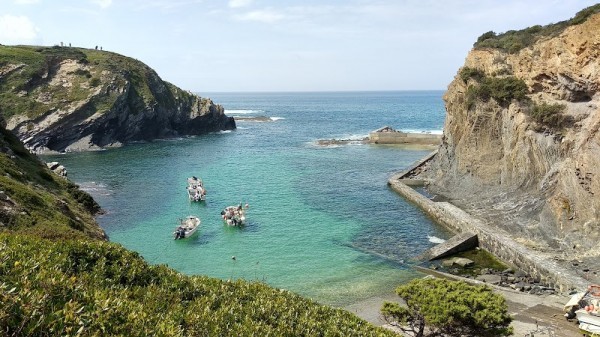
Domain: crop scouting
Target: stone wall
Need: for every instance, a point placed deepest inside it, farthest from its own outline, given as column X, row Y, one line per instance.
column 493, row 240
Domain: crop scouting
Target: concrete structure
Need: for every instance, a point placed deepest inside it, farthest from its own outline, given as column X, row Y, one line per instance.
column 458, row 243
column 387, row 135
column 493, row 239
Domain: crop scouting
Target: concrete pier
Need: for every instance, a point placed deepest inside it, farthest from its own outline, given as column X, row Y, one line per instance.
column 492, row 239
column 387, row 135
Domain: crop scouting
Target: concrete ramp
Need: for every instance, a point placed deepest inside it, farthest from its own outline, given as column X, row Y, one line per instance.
column 456, row 244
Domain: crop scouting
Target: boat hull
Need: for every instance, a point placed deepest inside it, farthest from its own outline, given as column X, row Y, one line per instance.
column 187, row 228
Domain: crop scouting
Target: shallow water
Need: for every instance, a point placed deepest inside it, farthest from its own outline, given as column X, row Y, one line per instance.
column 322, row 221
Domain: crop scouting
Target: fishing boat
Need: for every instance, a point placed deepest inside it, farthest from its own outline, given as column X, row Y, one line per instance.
column 195, row 189
column 187, row 227
column 234, row 215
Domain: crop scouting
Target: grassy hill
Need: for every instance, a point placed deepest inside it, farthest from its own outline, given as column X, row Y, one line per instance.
column 64, row 98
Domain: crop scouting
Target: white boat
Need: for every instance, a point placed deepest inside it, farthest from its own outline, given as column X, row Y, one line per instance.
column 586, row 307
column 187, row 227
column 195, row 189
column 234, row 215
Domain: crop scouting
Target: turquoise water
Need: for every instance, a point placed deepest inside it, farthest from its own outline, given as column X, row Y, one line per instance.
column 322, row 221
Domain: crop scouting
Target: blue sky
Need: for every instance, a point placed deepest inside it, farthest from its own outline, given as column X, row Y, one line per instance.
column 285, row 45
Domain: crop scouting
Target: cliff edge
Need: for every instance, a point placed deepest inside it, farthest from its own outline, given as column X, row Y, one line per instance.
column 521, row 144
column 71, row 99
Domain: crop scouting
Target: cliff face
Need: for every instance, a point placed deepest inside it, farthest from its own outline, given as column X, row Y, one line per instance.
column 64, row 98
column 539, row 183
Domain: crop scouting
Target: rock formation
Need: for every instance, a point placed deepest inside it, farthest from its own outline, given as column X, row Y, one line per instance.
column 69, row 99
column 538, row 178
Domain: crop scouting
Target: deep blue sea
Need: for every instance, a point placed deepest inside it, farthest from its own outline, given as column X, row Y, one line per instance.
column 322, row 221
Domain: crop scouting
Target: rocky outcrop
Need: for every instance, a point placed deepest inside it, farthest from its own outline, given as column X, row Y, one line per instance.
column 540, row 184
column 69, row 99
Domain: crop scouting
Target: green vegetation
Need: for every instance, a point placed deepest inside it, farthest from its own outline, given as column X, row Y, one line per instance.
column 502, row 89
column 96, row 288
column 467, row 73
column 38, row 201
column 481, row 258
column 26, row 87
column 550, row 117
column 441, row 307
column 514, row 40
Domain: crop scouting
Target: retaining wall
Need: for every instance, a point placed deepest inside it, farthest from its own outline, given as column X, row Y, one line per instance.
column 404, row 138
column 494, row 240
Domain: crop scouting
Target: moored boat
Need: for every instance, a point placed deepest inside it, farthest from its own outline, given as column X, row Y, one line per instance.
column 187, row 227
column 195, row 189
column 234, row 215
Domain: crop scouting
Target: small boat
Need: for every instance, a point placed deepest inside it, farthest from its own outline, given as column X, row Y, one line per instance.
column 187, row 227
column 195, row 189
column 234, row 215
column 586, row 307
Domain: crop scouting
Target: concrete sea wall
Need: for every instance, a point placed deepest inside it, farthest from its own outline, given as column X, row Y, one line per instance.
column 494, row 240
column 387, row 135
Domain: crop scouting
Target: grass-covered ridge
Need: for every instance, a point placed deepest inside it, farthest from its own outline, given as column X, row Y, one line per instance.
column 28, row 85
column 35, row 200
column 513, row 41
column 93, row 288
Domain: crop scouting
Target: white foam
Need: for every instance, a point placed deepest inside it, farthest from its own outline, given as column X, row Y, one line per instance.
column 432, row 132
column 94, row 188
column 352, row 137
column 225, row 131
column 276, row 118
column 435, row 239
column 242, row 111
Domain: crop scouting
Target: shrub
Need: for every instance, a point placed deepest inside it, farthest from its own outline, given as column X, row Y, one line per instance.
column 513, row 41
column 94, row 82
column 550, row 117
column 451, row 308
column 501, row 89
column 467, row 73
column 94, row 288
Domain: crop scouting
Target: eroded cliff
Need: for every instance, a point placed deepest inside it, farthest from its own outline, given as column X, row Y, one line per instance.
column 521, row 145
column 64, row 98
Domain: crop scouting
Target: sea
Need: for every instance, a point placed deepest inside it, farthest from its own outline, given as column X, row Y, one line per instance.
column 321, row 220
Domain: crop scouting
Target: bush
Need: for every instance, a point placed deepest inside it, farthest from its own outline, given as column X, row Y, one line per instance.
column 449, row 308
column 94, row 288
column 550, row 117
column 94, row 82
column 513, row 41
column 501, row 89
column 467, row 73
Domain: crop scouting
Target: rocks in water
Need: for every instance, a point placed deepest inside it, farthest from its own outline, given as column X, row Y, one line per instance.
column 57, row 168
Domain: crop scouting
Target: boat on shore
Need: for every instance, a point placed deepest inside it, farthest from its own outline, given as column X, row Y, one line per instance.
column 187, row 227
column 234, row 215
column 195, row 189
column 586, row 307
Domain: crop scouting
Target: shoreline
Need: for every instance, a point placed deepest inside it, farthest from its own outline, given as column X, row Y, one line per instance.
column 531, row 313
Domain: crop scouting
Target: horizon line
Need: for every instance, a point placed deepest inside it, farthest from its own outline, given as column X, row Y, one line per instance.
column 311, row 91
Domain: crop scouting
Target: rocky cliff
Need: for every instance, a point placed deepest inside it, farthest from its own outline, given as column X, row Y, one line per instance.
column 521, row 145
column 63, row 99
